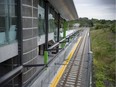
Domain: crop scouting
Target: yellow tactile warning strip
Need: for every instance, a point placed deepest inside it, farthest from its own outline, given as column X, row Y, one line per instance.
column 63, row 67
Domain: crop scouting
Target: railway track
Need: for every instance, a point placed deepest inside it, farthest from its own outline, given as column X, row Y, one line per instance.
column 72, row 74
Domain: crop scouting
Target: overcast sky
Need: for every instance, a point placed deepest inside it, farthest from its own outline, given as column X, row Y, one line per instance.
column 100, row 9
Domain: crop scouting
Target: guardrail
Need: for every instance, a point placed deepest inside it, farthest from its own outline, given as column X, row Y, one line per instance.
column 6, row 78
column 62, row 41
column 52, row 48
column 63, row 53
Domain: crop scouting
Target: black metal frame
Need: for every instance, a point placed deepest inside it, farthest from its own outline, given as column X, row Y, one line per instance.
column 20, row 37
column 46, row 24
column 18, row 70
column 19, row 31
column 34, row 65
column 58, row 34
column 12, row 74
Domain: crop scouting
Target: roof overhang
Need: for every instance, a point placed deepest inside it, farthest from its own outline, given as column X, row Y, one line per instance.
column 66, row 8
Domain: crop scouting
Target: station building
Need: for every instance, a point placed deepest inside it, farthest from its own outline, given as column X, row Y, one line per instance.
column 27, row 29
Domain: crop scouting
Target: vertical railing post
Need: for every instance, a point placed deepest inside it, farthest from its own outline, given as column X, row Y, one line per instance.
column 58, row 32
column 45, row 57
column 65, row 28
column 19, row 36
column 64, row 31
column 46, row 33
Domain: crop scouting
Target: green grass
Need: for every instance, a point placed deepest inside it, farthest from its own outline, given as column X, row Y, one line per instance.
column 103, row 47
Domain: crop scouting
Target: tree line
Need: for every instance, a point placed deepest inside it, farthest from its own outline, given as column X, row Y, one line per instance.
column 95, row 24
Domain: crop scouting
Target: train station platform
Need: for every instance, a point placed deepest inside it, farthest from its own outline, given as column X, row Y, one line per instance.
column 71, row 67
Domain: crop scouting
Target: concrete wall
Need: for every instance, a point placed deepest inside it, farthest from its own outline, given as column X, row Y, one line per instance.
column 30, row 32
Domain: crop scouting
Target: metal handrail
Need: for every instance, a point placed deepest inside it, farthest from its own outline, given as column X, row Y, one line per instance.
column 38, row 73
column 58, row 43
column 6, row 78
column 51, row 48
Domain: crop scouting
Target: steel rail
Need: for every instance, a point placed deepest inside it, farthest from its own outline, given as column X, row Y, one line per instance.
column 80, row 65
column 67, row 73
column 44, row 67
column 71, row 67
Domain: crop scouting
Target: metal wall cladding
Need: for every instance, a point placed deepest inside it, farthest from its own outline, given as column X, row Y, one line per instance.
column 27, row 57
column 30, row 33
column 27, row 23
column 34, row 43
column 27, row 75
column 29, row 72
column 35, row 32
column 27, row 45
column 28, row 2
column 35, row 22
column 35, row 3
column 35, row 12
column 27, row 11
column 34, row 53
column 27, row 33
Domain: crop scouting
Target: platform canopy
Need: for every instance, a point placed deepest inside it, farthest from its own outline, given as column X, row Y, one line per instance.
column 66, row 8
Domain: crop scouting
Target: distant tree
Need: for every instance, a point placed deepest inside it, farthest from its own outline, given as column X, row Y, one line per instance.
column 113, row 28
column 85, row 22
column 98, row 26
column 72, row 22
column 103, row 21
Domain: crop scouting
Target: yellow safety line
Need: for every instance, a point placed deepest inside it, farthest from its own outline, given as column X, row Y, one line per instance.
column 62, row 69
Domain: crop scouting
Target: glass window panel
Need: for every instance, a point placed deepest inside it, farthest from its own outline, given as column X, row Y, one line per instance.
column 12, row 21
column 7, row 21
column 2, row 21
column 12, row 10
column 2, row 9
column 41, row 17
column 53, row 22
